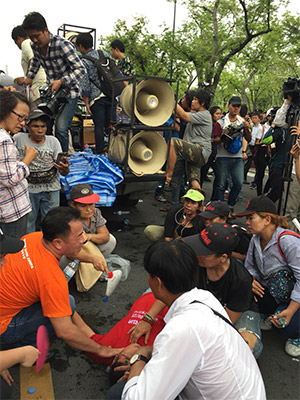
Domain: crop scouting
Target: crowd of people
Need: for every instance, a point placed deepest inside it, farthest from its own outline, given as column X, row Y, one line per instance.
column 213, row 283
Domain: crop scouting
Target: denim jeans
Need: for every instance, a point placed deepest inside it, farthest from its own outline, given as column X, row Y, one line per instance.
column 250, row 321
column 268, row 305
column 15, row 229
column 63, row 123
column 115, row 391
column 43, row 201
column 22, row 329
column 177, row 177
column 101, row 114
column 227, row 167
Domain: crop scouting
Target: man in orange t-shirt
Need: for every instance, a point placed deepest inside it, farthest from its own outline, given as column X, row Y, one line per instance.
column 34, row 290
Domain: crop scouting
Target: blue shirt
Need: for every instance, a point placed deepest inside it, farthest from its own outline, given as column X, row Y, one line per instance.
column 60, row 62
column 270, row 260
column 90, row 84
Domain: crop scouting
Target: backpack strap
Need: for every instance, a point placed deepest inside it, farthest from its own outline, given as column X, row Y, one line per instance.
column 94, row 60
column 291, row 233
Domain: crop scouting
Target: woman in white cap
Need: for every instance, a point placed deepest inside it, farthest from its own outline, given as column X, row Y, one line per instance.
column 273, row 260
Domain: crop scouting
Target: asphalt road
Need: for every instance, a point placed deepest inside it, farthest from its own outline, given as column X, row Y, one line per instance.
column 75, row 376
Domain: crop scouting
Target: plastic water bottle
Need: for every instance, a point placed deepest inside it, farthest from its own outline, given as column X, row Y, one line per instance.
column 113, row 279
column 121, row 212
column 70, row 269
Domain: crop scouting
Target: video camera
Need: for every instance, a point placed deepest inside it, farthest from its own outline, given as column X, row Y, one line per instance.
column 291, row 87
column 52, row 102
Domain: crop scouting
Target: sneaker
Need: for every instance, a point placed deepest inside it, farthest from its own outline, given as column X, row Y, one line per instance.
column 265, row 323
column 253, row 186
column 292, row 347
column 161, row 198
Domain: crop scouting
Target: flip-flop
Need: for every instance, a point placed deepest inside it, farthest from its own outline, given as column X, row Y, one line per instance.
column 42, row 344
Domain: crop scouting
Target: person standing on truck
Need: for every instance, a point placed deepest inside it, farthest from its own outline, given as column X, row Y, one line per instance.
column 96, row 102
column 63, row 68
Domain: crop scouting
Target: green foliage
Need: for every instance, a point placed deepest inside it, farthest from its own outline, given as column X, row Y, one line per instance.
column 243, row 48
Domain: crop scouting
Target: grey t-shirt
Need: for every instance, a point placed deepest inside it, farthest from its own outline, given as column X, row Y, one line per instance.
column 223, row 152
column 199, row 131
column 47, row 154
column 97, row 221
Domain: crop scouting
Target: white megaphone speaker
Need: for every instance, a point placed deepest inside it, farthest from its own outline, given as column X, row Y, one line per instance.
column 147, row 152
column 154, row 101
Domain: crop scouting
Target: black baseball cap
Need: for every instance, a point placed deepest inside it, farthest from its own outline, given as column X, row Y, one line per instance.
column 214, row 239
column 235, row 101
column 215, row 209
column 37, row 114
column 83, row 193
column 258, row 204
column 9, row 244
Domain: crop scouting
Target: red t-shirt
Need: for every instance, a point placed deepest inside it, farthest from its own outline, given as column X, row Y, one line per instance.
column 30, row 276
column 118, row 337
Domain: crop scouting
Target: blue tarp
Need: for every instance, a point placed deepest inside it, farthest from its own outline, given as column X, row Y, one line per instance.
column 97, row 171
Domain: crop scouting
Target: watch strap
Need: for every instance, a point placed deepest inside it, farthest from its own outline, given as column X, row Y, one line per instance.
column 139, row 357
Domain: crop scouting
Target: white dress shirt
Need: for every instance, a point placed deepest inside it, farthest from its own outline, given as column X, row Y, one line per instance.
column 197, row 356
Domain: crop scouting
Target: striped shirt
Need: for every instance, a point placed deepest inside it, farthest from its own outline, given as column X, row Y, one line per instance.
column 60, row 62
column 14, row 195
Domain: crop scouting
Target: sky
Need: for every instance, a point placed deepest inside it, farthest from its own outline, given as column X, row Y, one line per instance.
column 100, row 14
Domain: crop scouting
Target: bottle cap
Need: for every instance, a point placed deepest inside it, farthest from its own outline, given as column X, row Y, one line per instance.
column 105, row 299
column 31, row 390
column 110, row 275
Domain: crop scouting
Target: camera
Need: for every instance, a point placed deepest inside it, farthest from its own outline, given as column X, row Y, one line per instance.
column 232, row 133
column 52, row 102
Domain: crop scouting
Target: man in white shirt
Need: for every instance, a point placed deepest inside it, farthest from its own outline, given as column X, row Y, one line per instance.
column 198, row 355
column 21, row 39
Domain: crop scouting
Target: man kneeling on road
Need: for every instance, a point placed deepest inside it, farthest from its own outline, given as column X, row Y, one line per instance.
column 34, row 290
column 198, row 354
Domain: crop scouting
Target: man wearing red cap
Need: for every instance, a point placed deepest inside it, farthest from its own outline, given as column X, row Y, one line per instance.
column 94, row 225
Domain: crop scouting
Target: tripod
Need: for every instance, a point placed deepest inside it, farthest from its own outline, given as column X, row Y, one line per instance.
column 292, row 118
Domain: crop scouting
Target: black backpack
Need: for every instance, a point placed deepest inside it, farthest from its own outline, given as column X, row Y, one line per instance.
column 107, row 71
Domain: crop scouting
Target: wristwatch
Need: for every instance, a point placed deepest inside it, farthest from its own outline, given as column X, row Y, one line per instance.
column 138, row 357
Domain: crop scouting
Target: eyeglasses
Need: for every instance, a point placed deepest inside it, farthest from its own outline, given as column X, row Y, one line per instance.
column 21, row 118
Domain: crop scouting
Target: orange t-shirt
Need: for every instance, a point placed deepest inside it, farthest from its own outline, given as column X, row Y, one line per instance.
column 30, row 276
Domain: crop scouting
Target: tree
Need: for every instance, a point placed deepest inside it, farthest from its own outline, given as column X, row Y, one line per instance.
column 243, row 47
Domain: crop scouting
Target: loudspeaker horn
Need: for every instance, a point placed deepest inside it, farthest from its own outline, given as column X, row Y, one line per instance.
column 154, row 101
column 147, row 152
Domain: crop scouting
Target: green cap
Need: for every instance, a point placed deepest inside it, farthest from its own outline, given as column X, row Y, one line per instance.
column 194, row 195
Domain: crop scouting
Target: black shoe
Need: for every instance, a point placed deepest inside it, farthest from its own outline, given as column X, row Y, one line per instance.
column 246, row 183
column 206, row 179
